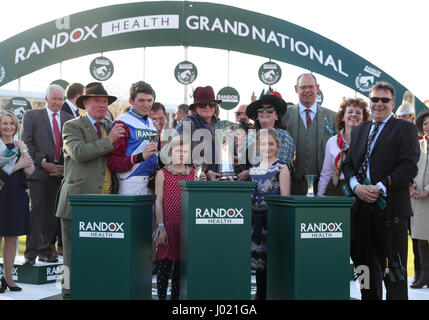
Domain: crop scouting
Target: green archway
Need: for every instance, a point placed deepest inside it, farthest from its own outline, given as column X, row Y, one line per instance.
column 183, row 23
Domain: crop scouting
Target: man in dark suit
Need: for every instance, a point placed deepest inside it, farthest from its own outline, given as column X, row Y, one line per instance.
column 380, row 164
column 42, row 134
column 73, row 92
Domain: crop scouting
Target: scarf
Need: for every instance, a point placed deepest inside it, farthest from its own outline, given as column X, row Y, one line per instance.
column 341, row 156
column 8, row 159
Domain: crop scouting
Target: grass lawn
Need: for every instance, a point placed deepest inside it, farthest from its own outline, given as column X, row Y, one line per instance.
column 21, row 248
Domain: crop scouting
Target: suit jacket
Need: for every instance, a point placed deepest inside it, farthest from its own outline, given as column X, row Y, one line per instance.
column 291, row 118
column 39, row 137
column 85, row 160
column 395, row 153
column 66, row 108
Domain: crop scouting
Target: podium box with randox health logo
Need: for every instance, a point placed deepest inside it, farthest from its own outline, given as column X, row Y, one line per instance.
column 216, row 240
column 111, row 254
column 308, row 247
column 39, row 273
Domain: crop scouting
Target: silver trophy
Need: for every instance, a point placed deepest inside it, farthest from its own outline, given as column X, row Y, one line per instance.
column 225, row 149
column 198, row 170
column 153, row 137
column 310, row 183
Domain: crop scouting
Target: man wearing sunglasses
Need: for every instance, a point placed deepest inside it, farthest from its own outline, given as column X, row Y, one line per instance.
column 380, row 164
column 240, row 115
column 311, row 126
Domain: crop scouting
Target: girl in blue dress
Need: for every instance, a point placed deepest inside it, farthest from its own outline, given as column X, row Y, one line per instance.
column 272, row 177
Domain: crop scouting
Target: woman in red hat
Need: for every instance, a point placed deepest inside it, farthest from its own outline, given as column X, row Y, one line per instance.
column 205, row 112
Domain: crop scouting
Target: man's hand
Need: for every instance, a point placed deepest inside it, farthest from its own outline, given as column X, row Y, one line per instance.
column 117, row 132
column 367, row 193
column 213, row 176
column 53, row 169
column 149, row 150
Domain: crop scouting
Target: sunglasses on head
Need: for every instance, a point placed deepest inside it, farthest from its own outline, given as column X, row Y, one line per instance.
column 377, row 99
column 267, row 109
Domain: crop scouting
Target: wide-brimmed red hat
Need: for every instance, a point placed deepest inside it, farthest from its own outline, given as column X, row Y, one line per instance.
column 204, row 95
column 94, row 89
column 279, row 104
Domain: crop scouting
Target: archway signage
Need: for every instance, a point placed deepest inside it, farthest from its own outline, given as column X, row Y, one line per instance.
column 18, row 105
column 229, row 96
column 270, row 73
column 184, row 23
column 101, row 68
column 185, row 72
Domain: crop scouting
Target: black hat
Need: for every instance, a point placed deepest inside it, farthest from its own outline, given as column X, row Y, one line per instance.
column 279, row 104
column 94, row 89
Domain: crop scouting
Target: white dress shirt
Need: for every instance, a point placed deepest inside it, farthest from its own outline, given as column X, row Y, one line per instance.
column 353, row 180
column 58, row 118
column 73, row 108
column 302, row 113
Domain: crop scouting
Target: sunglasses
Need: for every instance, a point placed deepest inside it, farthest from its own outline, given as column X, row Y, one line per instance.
column 238, row 113
column 267, row 109
column 210, row 105
column 377, row 99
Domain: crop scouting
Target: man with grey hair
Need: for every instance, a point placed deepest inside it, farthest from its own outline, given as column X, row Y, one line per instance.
column 311, row 126
column 182, row 111
column 42, row 134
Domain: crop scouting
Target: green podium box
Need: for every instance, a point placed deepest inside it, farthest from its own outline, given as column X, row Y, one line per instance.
column 216, row 240
column 308, row 247
column 39, row 273
column 111, row 255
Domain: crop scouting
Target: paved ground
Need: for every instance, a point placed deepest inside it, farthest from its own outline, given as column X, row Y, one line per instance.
column 53, row 291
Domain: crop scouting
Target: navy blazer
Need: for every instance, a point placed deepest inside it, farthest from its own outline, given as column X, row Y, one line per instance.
column 395, row 154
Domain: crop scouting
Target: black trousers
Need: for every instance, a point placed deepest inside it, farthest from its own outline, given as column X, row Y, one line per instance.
column 43, row 223
column 369, row 249
column 164, row 270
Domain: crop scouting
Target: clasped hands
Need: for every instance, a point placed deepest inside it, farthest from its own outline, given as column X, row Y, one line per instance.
column 367, row 193
column 53, row 169
column 418, row 195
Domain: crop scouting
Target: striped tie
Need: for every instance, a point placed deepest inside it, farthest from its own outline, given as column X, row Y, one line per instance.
column 98, row 124
column 362, row 170
column 307, row 117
